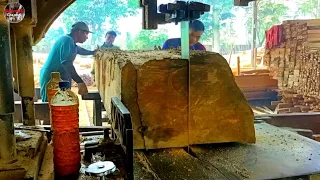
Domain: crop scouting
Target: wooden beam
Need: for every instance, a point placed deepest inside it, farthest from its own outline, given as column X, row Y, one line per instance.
column 47, row 14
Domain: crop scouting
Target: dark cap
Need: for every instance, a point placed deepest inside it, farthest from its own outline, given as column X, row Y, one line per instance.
column 64, row 85
column 112, row 33
column 81, row 26
column 197, row 25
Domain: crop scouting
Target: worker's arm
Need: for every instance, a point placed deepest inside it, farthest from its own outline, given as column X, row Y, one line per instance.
column 83, row 51
column 67, row 61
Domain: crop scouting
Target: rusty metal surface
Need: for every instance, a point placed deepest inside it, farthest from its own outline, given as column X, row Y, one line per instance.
column 278, row 153
column 24, row 40
column 6, row 81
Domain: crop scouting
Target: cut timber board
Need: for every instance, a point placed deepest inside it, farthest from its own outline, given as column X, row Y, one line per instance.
column 255, row 81
column 313, row 45
column 313, row 32
column 313, row 22
column 277, row 154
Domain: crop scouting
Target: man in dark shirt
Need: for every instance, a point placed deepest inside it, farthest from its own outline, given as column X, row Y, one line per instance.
column 61, row 57
column 109, row 39
column 108, row 44
column 196, row 29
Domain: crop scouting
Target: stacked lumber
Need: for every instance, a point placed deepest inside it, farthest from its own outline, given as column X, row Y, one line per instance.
column 295, row 63
column 158, row 90
column 292, row 102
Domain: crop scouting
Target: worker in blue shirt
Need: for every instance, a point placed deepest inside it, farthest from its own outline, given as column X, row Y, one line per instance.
column 61, row 57
column 196, row 29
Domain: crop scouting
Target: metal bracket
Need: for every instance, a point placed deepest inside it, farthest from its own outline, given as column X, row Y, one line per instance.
column 171, row 12
column 242, row 2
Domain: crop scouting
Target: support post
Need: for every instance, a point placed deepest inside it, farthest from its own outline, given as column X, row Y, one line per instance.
column 14, row 61
column 7, row 138
column 23, row 34
column 254, row 34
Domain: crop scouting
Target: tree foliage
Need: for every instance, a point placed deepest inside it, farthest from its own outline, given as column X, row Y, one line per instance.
column 214, row 20
column 309, row 8
column 95, row 12
column 147, row 39
column 269, row 14
column 46, row 43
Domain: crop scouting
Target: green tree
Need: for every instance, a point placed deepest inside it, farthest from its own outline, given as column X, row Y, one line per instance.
column 309, row 8
column 215, row 20
column 46, row 43
column 269, row 14
column 146, row 39
column 95, row 12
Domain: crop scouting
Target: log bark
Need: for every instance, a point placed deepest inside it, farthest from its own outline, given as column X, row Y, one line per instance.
column 156, row 88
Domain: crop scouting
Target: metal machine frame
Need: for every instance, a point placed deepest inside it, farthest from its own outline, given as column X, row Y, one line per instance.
column 122, row 132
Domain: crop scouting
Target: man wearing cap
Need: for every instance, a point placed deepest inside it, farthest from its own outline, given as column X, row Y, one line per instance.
column 61, row 57
column 196, row 29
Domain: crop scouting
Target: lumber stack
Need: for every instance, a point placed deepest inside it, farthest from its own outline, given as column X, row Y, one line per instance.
column 292, row 102
column 295, row 63
column 158, row 91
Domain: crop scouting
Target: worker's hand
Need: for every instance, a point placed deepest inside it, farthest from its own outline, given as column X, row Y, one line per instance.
column 82, row 89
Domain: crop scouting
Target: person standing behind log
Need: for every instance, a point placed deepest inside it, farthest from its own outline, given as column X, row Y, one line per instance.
column 108, row 44
column 62, row 56
column 196, row 29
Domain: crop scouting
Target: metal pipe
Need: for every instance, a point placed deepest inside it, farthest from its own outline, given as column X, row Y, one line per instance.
column 254, row 33
column 14, row 60
column 7, row 138
column 25, row 72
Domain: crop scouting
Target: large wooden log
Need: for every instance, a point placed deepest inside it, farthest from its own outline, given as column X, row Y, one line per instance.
column 168, row 107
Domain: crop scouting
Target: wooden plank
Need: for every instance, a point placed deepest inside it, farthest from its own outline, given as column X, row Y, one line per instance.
column 260, row 95
column 313, row 22
column 313, row 45
column 315, row 39
column 255, row 81
column 295, row 120
column 289, row 153
column 313, row 32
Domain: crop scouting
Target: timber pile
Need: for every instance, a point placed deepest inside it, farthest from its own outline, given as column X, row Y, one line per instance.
column 153, row 85
column 295, row 63
column 292, row 102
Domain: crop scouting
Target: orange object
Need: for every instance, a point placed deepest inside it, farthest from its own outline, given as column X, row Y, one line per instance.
column 51, row 88
column 53, row 85
column 65, row 122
